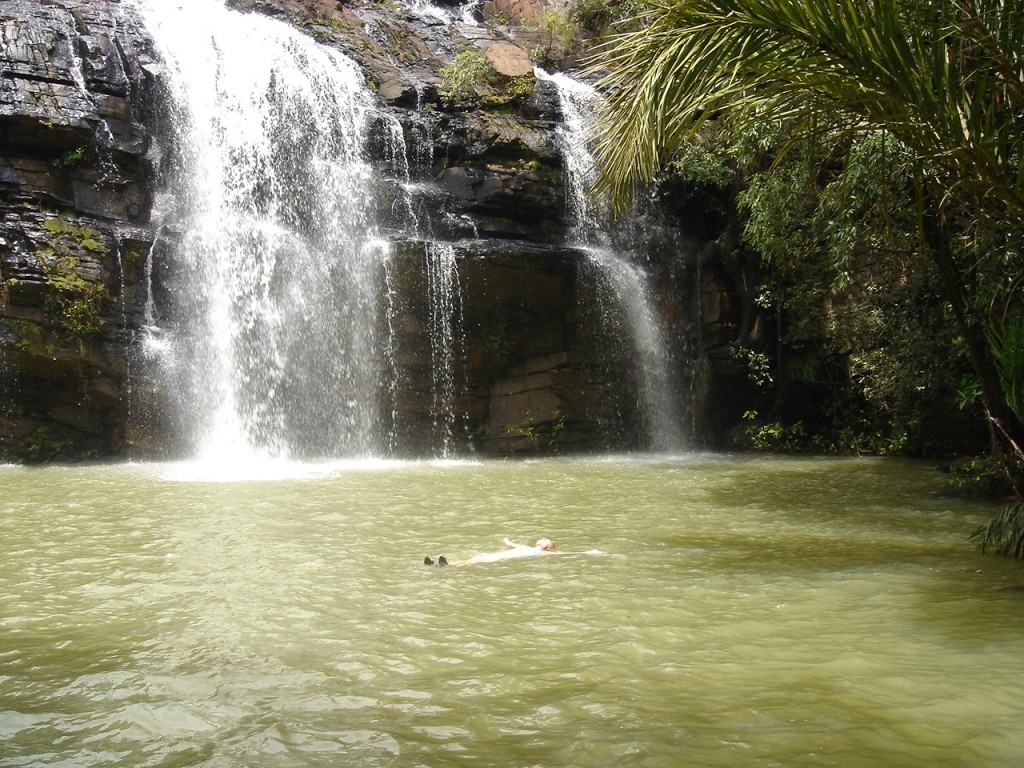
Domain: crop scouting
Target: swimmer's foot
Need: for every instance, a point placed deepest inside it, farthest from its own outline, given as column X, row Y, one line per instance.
column 427, row 560
column 442, row 560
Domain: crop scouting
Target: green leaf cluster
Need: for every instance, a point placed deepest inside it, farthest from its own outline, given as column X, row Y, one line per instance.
column 466, row 78
column 557, row 33
column 1007, row 342
column 774, row 436
column 700, row 174
column 846, row 278
column 70, row 159
column 471, row 81
column 943, row 77
column 596, row 17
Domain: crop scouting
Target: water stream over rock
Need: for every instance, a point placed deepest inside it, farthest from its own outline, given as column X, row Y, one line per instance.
column 446, row 340
column 625, row 282
column 275, row 342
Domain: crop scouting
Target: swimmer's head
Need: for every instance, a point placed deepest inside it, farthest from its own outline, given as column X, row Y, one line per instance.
column 545, row 544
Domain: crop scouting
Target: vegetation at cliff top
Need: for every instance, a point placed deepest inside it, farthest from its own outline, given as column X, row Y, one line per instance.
column 471, row 80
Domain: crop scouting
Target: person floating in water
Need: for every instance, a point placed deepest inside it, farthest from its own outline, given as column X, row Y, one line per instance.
column 542, row 547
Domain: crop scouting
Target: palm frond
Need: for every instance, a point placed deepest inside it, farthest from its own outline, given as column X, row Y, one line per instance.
column 944, row 77
column 1004, row 533
column 1006, row 341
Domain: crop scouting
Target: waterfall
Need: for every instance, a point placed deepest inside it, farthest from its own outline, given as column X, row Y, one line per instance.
column 272, row 316
column 464, row 13
column 627, row 282
column 588, row 222
column 628, row 285
column 273, row 333
column 446, row 340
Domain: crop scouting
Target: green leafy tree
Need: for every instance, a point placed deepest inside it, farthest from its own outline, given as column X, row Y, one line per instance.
column 944, row 79
column 861, row 308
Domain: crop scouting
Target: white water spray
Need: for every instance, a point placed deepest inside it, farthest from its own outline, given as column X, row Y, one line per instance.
column 275, row 328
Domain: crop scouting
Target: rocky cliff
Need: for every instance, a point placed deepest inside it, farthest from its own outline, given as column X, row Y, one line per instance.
column 76, row 187
column 542, row 363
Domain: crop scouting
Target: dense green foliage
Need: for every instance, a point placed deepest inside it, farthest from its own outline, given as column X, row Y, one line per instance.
column 849, row 284
column 943, row 77
column 879, row 145
column 472, row 81
column 596, row 17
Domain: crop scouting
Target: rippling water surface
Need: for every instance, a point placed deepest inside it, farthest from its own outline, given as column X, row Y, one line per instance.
column 753, row 612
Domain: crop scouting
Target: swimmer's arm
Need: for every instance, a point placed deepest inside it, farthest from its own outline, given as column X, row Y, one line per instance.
column 588, row 552
column 509, row 543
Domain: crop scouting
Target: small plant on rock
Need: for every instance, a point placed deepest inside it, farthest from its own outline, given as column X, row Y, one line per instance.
column 76, row 302
column 469, row 74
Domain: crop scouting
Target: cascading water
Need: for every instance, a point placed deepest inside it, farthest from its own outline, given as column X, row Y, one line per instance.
column 463, row 13
column 626, row 281
column 273, row 341
column 587, row 220
column 274, row 322
column 446, row 342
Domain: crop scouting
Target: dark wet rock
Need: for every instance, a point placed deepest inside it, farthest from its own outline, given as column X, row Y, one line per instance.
column 76, row 172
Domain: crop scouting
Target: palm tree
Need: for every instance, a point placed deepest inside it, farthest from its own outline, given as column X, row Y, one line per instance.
column 944, row 77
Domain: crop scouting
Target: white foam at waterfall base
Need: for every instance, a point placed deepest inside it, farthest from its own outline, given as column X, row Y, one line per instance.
column 627, row 281
column 273, row 337
column 248, row 470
